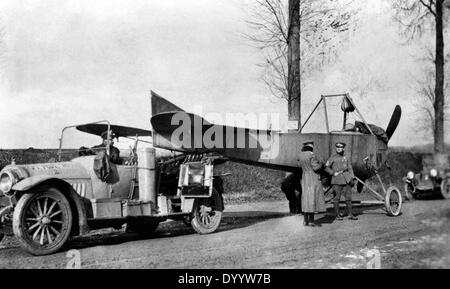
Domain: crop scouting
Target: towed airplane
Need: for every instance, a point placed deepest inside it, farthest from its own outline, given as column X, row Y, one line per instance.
column 367, row 145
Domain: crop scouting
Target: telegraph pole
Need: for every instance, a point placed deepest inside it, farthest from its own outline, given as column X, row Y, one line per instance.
column 294, row 91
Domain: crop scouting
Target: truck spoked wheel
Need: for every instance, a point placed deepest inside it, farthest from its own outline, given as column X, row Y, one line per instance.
column 207, row 214
column 393, row 201
column 445, row 188
column 42, row 221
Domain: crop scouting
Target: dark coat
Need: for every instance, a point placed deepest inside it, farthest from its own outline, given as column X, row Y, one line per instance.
column 114, row 153
column 313, row 199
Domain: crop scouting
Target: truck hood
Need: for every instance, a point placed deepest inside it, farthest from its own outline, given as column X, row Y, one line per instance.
column 64, row 170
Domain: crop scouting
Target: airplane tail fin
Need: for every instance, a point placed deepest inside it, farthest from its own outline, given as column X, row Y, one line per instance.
column 161, row 105
column 395, row 120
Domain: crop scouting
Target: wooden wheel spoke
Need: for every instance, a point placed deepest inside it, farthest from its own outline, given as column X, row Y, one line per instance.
column 37, row 232
column 57, row 222
column 39, row 207
column 33, row 210
column 32, row 219
column 41, row 239
column 54, row 231
column 49, row 237
column 54, row 214
column 45, row 206
column 50, row 210
column 33, row 226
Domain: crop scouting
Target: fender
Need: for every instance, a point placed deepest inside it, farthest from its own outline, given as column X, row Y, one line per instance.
column 76, row 200
column 28, row 183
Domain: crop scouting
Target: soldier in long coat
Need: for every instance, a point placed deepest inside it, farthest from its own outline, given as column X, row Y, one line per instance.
column 313, row 199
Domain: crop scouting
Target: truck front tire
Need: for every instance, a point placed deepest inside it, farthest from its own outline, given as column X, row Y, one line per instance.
column 42, row 221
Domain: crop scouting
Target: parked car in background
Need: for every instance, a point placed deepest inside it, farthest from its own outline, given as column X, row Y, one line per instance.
column 429, row 183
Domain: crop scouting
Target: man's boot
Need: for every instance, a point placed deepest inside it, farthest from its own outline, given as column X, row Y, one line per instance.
column 336, row 212
column 291, row 208
column 306, row 219
column 311, row 220
column 350, row 211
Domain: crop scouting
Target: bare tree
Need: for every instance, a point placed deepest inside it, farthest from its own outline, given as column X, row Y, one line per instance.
column 417, row 17
column 294, row 81
column 425, row 95
column 274, row 23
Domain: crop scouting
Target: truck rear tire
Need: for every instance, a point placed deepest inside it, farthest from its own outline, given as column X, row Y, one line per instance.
column 207, row 213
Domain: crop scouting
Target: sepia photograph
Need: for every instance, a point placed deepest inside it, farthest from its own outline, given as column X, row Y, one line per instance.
column 243, row 135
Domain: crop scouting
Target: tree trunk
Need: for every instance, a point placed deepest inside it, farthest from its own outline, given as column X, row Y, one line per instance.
column 439, row 145
column 294, row 93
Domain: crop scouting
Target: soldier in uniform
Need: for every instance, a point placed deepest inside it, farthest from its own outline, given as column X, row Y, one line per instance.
column 113, row 151
column 340, row 168
column 313, row 200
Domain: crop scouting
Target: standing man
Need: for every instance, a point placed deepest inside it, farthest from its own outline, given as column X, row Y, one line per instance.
column 340, row 168
column 313, row 200
column 292, row 189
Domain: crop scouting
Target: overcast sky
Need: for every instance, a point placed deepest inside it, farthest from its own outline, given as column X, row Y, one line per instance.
column 70, row 62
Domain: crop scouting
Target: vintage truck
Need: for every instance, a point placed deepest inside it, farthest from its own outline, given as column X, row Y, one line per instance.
column 48, row 203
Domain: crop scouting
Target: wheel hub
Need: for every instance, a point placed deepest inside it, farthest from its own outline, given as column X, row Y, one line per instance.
column 45, row 220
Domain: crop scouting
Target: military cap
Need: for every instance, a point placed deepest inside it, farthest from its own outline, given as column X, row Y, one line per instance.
column 340, row 145
column 104, row 134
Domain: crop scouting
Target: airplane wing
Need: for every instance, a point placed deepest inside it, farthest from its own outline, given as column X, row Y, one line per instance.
column 120, row 131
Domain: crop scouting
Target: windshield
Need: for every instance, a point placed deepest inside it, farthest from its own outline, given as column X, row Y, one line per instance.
column 77, row 143
column 73, row 142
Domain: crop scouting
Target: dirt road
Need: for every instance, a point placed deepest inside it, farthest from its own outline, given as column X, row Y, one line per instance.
column 263, row 235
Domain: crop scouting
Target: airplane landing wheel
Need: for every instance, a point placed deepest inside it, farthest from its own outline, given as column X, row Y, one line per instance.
column 393, row 201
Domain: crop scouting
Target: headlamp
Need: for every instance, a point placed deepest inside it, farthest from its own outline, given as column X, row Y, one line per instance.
column 7, row 181
column 433, row 173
